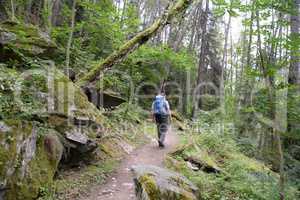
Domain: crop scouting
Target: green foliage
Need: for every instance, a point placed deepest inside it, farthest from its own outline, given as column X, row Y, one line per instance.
column 128, row 113
column 223, row 6
column 241, row 177
column 7, row 85
column 96, row 33
column 149, row 66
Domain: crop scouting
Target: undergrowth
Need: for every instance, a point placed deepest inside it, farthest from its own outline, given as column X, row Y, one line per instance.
column 241, row 177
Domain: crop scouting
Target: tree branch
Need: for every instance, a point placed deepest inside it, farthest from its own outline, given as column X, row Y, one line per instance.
column 119, row 55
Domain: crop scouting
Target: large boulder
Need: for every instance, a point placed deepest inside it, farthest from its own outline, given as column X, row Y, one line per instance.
column 19, row 41
column 29, row 156
column 155, row 183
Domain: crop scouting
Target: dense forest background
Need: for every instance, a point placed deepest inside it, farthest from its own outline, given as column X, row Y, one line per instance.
column 230, row 65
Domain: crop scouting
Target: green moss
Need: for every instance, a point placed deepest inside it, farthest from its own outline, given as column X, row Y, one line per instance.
column 65, row 92
column 148, row 183
column 150, row 187
column 39, row 171
column 111, row 147
column 26, row 35
column 66, row 96
column 4, row 156
column 241, row 177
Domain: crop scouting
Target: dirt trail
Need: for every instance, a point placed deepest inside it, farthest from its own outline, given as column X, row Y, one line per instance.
column 119, row 186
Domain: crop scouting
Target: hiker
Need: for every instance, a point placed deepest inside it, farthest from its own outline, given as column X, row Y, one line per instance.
column 161, row 114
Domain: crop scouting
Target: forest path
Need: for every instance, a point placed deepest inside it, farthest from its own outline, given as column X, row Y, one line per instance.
column 119, row 185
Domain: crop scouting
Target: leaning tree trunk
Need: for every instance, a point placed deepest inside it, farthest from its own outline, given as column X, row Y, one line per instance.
column 142, row 37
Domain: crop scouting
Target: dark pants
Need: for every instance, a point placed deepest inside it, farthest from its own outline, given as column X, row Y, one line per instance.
column 162, row 122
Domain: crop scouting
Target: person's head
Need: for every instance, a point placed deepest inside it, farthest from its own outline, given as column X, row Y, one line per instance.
column 161, row 95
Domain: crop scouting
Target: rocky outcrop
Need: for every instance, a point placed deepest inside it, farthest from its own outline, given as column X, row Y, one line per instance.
column 29, row 156
column 45, row 119
column 104, row 99
column 154, row 183
column 18, row 42
column 48, row 120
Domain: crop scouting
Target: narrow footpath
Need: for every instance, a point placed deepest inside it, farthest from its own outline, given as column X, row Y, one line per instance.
column 119, row 185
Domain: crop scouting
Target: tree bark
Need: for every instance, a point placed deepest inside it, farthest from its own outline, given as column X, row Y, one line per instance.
column 202, row 57
column 141, row 38
column 294, row 70
column 12, row 10
column 271, row 94
column 68, row 50
column 48, row 7
column 195, row 17
column 223, row 68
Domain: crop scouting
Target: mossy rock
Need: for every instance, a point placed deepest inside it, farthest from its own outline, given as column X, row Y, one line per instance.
column 154, row 183
column 197, row 158
column 201, row 160
column 18, row 41
column 29, row 156
column 47, row 105
column 47, row 93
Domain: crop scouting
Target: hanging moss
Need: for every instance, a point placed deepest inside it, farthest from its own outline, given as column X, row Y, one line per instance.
column 150, row 187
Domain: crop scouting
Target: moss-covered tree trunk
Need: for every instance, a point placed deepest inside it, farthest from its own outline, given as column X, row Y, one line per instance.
column 116, row 57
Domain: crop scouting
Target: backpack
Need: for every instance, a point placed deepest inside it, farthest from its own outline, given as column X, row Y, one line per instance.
column 159, row 105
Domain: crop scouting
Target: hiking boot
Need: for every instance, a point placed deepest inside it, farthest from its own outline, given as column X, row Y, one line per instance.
column 160, row 144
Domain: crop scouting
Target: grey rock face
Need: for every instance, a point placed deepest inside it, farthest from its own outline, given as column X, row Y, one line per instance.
column 29, row 149
column 77, row 136
column 6, row 37
column 155, row 183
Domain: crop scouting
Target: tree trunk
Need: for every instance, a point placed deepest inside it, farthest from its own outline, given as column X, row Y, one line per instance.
column 12, row 10
column 271, row 94
column 202, row 58
column 245, row 84
column 294, row 71
column 195, row 16
column 69, row 44
column 56, row 18
column 223, row 68
column 48, row 7
column 141, row 38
